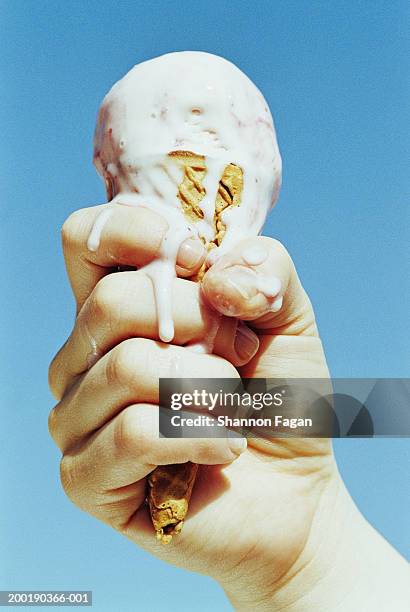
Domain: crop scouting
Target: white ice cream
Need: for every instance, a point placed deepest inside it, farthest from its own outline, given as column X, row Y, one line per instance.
column 187, row 101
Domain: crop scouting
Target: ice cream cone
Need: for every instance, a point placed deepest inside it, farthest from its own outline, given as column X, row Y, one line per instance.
column 170, row 486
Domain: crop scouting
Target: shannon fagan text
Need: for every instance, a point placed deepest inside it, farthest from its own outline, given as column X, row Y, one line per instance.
column 224, row 421
column 207, row 400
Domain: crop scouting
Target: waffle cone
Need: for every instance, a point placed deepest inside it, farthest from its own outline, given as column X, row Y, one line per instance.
column 170, row 486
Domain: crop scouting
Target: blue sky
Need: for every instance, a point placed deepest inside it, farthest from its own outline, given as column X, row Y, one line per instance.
column 335, row 75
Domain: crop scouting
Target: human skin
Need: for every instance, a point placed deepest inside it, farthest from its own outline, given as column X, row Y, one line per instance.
column 271, row 522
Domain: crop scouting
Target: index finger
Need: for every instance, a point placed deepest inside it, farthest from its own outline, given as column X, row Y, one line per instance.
column 128, row 236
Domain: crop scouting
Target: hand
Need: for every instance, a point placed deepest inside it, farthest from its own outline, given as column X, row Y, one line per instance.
column 257, row 523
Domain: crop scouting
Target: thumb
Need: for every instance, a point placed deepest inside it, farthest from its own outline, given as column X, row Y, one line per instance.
column 257, row 281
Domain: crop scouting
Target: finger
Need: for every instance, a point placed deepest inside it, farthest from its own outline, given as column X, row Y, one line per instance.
column 257, row 282
column 98, row 239
column 128, row 374
column 123, row 306
column 128, row 448
column 235, row 341
column 106, row 476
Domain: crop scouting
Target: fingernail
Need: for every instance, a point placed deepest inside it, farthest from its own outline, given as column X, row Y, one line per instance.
column 242, row 280
column 190, row 253
column 237, row 444
column 246, row 342
column 255, row 255
column 269, row 286
column 277, row 304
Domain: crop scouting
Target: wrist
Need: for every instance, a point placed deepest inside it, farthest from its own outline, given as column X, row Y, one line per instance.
column 345, row 566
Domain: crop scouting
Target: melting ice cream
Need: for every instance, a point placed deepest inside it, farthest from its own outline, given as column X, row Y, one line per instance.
column 187, row 120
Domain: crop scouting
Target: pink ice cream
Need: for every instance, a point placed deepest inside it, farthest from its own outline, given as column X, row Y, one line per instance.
column 186, row 101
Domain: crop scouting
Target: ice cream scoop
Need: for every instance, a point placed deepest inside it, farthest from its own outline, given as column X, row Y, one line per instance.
column 190, row 136
column 186, row 102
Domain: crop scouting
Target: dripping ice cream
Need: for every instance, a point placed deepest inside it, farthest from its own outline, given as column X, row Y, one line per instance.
column 189, row 136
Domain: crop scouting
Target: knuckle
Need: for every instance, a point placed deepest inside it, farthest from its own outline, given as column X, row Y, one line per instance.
column 52, row 424
column 57, row 373
column 52, row 378
column 71, row 228
column 103, row 299
column 127, row 362
column 67, row 477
